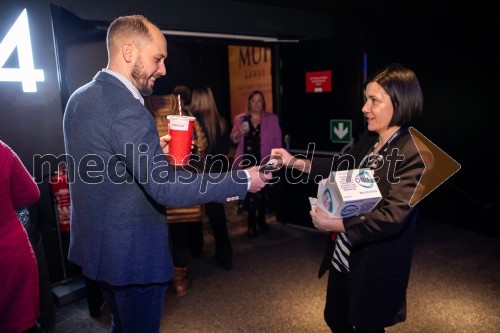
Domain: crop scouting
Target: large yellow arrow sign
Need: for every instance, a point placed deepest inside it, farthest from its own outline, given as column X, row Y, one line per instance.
column 439, row 166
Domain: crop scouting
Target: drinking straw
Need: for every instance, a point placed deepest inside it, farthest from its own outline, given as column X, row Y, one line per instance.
column 179, row 102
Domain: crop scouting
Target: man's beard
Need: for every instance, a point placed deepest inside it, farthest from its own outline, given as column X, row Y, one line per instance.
column 141, row 79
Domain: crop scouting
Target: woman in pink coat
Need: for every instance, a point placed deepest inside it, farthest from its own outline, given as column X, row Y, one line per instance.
column 19, row 302
column 256, row 132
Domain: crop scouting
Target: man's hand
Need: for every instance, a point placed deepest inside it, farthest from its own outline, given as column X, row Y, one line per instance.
column 164, row 143
column 323, row 222
column 257, row 179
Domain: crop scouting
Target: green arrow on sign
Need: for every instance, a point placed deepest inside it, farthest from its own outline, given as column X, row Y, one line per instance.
column 340, row 130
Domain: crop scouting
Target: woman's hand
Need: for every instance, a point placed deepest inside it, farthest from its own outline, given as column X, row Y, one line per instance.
column 283, row 155
column 244, row 128
column 323, row 222
column 290, row 161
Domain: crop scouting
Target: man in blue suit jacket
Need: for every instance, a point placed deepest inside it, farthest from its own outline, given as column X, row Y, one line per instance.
column 120, row 180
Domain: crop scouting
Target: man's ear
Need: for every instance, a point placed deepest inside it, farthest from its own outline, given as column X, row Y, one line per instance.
column 127, row 51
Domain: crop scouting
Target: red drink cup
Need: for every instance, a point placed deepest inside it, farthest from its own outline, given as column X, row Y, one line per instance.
column 180, row 129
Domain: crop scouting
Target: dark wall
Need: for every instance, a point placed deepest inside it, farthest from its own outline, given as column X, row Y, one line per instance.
column 306, row 116
column 453, row 50
column 193, row 63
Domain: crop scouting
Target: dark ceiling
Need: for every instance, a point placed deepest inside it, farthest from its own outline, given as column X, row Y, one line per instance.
column 341, row 7
column 322, row 6
column 478, row 18
column 371, row 11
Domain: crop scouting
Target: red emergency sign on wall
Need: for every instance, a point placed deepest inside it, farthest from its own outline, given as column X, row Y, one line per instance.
column 318, row 82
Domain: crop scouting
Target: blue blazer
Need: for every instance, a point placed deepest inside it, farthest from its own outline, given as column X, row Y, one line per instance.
column 120, row 183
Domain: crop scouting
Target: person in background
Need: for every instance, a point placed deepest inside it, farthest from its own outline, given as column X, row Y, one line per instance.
column 121, row 181
column 185, row 224
column 19, row 288
column 255, row 132
column 194, row 230
column 185, row 93
column 216, row 131
column 370, row 260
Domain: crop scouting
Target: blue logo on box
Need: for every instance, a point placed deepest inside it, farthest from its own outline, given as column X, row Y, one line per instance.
column 327, row 200
column 365, row 179
column 348, row 210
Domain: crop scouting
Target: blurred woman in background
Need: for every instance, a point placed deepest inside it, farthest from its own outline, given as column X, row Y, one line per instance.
column 255, row 132
column 215, row 128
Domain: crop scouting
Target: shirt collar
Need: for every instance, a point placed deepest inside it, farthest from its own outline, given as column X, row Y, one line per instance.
column 127, row 84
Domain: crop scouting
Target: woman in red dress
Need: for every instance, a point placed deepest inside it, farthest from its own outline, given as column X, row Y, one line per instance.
column 19, row 302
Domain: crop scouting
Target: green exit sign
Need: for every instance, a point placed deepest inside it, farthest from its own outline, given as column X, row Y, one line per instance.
column 340, row 130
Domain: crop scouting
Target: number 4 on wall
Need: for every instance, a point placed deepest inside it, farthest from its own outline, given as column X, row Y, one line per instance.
column 19, row 36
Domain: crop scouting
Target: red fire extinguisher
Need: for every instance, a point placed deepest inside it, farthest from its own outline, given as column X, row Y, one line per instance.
column 60, row 190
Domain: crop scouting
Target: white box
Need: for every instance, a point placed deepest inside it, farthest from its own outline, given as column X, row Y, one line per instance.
column 348, row 193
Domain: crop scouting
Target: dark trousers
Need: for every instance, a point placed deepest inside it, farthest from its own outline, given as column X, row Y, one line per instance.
column 134, row 308
column 47, row 319
column 186, row 238
column 336, row 306
column 256, row 205
column 217, row 217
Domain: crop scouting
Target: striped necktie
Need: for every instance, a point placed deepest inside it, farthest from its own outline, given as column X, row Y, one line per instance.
column 340, row 259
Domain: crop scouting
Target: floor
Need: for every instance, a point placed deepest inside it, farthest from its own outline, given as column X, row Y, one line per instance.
column 273, row 287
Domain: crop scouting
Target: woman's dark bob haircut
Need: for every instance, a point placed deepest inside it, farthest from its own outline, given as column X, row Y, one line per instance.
column 402, row 86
